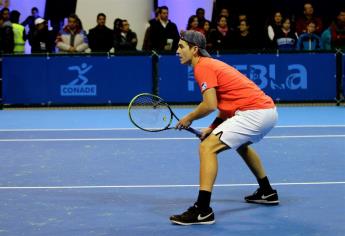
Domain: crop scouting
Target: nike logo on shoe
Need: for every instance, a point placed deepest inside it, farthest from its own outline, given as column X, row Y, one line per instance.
column 265, row 197
column 200, row 218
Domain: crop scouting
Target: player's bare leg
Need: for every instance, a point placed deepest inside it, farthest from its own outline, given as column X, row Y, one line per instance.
column 252, row 160
column 201, row 212
column 264, row 194
column 208, row 161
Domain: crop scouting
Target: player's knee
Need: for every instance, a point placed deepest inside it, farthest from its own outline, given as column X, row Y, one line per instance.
column 210, row 145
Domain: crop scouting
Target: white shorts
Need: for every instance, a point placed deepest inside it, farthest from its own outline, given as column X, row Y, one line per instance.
column 246, row 127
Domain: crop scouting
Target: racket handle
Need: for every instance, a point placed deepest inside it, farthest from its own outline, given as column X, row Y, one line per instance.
column 194, row 131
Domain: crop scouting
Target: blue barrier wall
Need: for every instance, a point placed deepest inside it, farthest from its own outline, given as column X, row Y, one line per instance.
column 75, row 79
column 285, row 77
column 87, row 79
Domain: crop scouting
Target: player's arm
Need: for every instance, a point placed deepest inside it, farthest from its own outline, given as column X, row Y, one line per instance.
column 207, row 106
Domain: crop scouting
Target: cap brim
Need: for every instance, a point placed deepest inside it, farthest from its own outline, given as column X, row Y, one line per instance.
column 204, row 53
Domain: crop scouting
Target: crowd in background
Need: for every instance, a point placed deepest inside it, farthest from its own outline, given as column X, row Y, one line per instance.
column 226, row 33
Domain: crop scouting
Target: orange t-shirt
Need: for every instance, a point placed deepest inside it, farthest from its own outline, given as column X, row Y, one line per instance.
column 234, row 90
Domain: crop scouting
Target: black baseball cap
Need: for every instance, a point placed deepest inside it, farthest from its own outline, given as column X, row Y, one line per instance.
column 196, row 38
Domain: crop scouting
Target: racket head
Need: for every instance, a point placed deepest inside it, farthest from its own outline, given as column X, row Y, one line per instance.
column 150, row 113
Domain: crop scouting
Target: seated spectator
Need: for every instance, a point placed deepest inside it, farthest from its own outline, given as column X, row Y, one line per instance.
column 273, row 26
column 222, row 36
column 100, row 37
column 30, row 20
column 125, row 40
column 309, row 41
column 6, row 36
column 308, row 15
column 244, row 39
column 286, row 38
column 334, row 36
column 72, row 38
column 18, row 31
column 207, row 31
column 193, row 23
column 41, row 38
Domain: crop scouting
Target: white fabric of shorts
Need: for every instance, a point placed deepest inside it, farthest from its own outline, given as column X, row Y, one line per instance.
column 246, row 126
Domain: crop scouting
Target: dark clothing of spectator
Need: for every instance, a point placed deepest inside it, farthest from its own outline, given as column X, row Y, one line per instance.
column 100, row 39
column 42, row 41
column 309, row 42
column 247, row 42
column 301, row 25
column 125, row 42
column 337, row 36
column 161, row 36
column 6, row 38
column 30, row 20
column 285, row 41
column 222, row 40
column 147, row 38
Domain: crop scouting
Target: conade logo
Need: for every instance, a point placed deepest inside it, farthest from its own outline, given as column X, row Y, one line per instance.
column 79, row 86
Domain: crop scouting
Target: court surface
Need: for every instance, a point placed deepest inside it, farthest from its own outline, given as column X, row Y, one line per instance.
column 90, row 172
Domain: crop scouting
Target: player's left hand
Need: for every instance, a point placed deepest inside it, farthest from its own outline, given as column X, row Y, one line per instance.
column 205, row 133
column 184, row 123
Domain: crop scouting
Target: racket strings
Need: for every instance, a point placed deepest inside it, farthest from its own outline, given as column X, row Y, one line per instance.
column 150, row 113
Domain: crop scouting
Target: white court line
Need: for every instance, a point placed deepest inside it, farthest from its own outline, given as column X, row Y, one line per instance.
column 120, row 129
column 155, row 139
column 162, row 186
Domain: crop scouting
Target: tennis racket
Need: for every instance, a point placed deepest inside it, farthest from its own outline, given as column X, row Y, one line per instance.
column 151, row 113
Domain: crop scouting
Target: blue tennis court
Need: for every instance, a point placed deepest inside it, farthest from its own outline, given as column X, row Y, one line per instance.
column 90, row 172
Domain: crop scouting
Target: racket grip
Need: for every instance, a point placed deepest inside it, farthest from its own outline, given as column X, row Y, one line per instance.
column 194, row 131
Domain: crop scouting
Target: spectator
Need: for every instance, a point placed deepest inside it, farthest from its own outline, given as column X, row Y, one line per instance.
column 308, row 15
column 309, row 41
column 286, row 38
column 117, row 25
column 334, row 36
column 30, row 20
column 274, row 25
column 193, row 23
column 18, row 31
column 72, row 38
column 100, row 37
column 244, row 39
column 222, row 36
column 125, row 40
column 147, row 38
column 231, row 21
column 164, row 33
column 5, row 13
column 6, row 36
column 41, row 38
column 207, row 31
column 200, row 14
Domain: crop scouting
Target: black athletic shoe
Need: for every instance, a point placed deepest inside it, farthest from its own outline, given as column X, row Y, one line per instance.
column 270, row 198
column 194, row 215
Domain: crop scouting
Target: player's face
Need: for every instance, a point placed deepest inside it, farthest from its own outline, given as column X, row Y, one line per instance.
column 184, row 52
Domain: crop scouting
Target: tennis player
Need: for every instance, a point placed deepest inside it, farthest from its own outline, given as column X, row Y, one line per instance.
column 245, row 115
